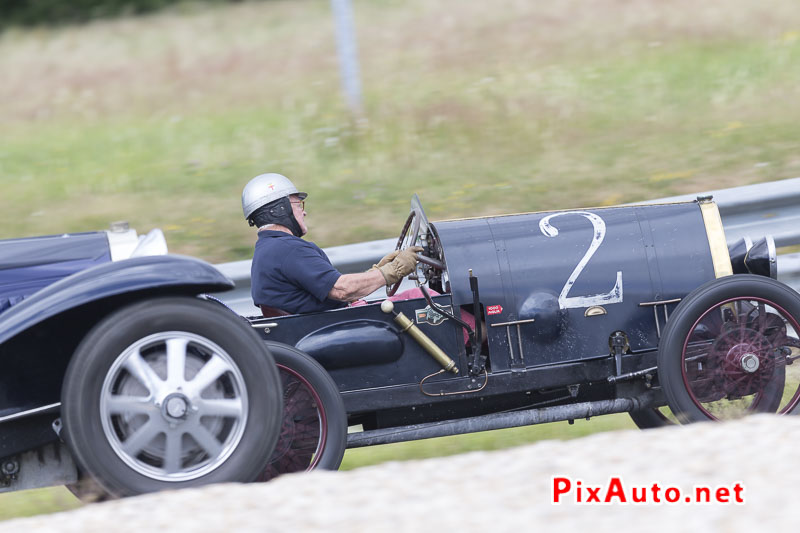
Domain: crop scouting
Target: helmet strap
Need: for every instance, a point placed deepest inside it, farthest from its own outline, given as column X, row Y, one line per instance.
column 277, row 212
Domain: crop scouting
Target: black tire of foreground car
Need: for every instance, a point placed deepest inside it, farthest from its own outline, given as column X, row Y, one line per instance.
column 87, row 490
column 649, row 419
column 314, row 430
column 171, row 393
column 728, row 350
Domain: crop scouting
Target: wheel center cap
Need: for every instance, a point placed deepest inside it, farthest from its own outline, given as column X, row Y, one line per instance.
column 176, row 406
column 750, row 362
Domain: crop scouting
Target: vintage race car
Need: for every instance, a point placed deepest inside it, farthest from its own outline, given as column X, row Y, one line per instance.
column 117, row 372
column 539, row 317
column 517, row 320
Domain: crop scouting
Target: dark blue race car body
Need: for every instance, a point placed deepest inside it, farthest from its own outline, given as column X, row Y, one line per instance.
column 28, row 265
column 67, row 309
column 534, row 304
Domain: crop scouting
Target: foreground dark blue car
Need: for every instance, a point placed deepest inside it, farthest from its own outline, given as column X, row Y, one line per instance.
column 116, row 369
column 127, row 368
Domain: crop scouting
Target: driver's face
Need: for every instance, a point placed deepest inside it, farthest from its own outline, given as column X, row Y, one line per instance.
column 299, row 212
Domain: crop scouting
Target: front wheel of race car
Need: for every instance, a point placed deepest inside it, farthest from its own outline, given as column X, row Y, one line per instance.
column 730, row 349
column 650, row 418
column 170, row 393
column 314, row 429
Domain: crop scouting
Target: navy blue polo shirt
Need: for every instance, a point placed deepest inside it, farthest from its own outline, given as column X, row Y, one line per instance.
column 292, row 274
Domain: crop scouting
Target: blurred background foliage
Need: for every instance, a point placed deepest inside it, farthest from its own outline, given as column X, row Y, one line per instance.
column 54, row 12
column 479, row 108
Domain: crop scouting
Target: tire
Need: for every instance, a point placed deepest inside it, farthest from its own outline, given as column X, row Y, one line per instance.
column 314, row 429
column 170, row 393
column 87, row 490
column 650, row 419
column 726, row 351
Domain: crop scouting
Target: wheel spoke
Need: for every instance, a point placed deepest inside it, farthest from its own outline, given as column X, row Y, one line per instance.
column 172, row 454
column 292, row 389
column 141, row 438
column 743, row 370
column 143, row 372
column 231, row 408
column 129, row 405
column 205, row 439
column 176, row 361
column 211, row 371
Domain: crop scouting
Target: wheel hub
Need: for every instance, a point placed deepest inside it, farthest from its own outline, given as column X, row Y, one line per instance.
column 749, row 362
column 745, row 361
column 176, row 407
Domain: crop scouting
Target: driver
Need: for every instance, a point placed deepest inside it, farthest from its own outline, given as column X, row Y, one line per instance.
column 290, row 275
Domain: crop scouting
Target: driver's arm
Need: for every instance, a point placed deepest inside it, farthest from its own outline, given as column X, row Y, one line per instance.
column 351, row 287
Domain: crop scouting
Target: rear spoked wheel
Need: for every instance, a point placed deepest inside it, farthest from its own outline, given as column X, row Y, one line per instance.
column 314, row 426
column 730, row 350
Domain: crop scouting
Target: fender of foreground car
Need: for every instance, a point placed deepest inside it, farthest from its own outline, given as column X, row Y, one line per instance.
column 63, row 346
column 39, row 334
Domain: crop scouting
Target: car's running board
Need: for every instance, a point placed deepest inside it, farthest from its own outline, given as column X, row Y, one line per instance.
column 499, row 421
column 52, row 408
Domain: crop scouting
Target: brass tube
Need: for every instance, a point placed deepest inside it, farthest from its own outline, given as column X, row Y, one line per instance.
column 442, row 358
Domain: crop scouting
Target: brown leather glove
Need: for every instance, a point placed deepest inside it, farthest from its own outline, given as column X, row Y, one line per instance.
column 386, row 259
column 401, row 266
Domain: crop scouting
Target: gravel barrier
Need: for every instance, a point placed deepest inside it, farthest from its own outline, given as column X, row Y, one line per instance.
column 508, row 490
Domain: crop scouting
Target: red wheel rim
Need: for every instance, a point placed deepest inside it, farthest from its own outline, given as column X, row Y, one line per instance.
column 734, row 360
column 304, row 429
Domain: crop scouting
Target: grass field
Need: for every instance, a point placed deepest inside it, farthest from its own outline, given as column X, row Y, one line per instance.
column 519, row 106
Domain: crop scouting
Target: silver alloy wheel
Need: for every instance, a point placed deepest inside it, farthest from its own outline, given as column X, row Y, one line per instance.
column 173, row 406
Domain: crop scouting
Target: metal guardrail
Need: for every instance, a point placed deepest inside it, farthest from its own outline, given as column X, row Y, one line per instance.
column 756, row 210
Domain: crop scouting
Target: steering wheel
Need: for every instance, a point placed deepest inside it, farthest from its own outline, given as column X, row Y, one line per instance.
column 408, row 237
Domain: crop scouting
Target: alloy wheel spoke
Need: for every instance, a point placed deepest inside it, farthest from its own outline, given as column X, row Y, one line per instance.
column 130, row 405
column 205, row 439
column 141, row 438
column 143, row 372
column 230, row 408
column 173, row 452
column 176, row 361
column 211, row 371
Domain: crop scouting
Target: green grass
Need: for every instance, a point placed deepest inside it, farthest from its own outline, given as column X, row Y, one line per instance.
column 36, row 502
column 161, row 120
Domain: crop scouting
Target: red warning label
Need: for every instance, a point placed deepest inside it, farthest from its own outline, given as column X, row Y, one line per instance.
column 494, row 309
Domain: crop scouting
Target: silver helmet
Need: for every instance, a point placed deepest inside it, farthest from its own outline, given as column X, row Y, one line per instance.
column 264, row 189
